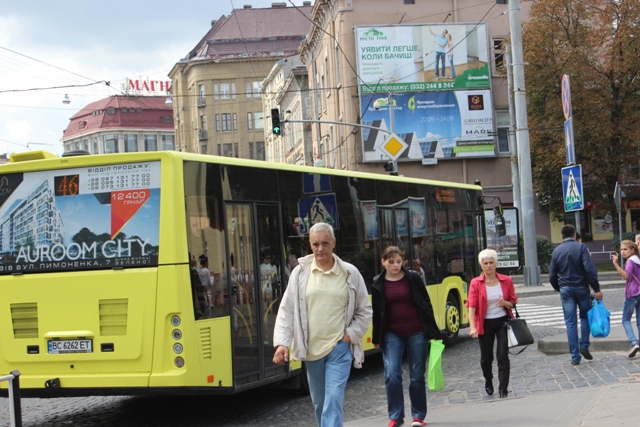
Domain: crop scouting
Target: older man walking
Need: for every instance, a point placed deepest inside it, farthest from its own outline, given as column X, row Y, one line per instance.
column 325, row 312
column 571, row 273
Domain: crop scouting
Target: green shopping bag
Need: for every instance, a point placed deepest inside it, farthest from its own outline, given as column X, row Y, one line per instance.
column 435, row 380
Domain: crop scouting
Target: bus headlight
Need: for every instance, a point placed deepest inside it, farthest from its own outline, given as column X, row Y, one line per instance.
column 177, row 334
column 175, row 320
column 179, row 362
column 177, row 348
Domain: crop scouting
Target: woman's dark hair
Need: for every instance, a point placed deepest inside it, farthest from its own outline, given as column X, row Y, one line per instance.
column 391, row 251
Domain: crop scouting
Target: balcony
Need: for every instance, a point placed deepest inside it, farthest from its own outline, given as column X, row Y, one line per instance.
column 202, row 101
column 202, row 134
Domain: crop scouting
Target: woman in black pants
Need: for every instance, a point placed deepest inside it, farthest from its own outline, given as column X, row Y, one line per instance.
column 491, row 299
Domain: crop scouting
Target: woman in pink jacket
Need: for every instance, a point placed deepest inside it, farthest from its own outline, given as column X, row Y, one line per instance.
column 491, row 299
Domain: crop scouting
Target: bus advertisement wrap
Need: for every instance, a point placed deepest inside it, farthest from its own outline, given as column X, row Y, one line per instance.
column 506, row 246
column 439, row 80
column 80, row 219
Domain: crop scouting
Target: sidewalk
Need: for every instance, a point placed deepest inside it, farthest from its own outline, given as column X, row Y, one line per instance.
column 608, row 405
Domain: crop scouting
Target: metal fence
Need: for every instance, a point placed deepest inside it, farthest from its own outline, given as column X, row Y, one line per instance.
column 14, row 397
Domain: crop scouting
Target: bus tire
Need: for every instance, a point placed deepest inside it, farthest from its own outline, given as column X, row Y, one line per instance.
column 451, row 321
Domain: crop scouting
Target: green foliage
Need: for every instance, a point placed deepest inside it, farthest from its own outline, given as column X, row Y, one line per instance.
column 544, row 248
column 596, row 44
column 615, row 240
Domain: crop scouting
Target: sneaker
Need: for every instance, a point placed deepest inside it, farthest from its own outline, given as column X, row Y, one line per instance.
column 437, row 78
column 634, row 350
column 395, row 423
column 417, row 422
column 585, row 353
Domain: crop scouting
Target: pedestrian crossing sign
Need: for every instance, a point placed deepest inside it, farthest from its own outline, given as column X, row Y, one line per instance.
column 572, row 193
column 315, row 209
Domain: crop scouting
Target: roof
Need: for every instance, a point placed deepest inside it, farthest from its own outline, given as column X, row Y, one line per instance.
column 154, row 114
column 255, row 32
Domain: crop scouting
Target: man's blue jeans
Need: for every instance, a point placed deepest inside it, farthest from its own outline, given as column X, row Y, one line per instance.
column 574, row 297
column 392, row 349
column 327, row 380
column 630, row 305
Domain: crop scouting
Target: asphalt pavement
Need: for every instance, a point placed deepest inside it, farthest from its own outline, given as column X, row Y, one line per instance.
column 602, row 392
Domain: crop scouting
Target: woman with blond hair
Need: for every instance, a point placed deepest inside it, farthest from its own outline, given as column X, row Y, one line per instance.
column 491, row 299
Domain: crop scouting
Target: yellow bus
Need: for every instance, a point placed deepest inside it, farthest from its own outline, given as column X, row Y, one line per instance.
column 161, row 272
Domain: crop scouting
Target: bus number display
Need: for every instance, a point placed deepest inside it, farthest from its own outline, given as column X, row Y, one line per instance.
column 67, row 185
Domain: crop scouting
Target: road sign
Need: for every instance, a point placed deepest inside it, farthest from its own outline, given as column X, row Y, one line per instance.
column 566, row 97
column 572, row 188
column 315, row 183
column 569, row 146
column 393, row 146
column 315, row 209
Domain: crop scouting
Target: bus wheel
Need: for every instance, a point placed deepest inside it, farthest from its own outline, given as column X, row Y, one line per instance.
column 451, row 321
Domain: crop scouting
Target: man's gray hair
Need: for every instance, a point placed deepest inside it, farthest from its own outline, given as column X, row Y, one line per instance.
column 322, row 226
column 488, row 253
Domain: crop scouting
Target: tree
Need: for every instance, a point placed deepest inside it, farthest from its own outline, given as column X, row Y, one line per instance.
column 596, row 43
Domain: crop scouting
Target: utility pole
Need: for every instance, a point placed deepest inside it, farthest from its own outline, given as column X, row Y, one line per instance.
column 513, row 147
column 531, row 268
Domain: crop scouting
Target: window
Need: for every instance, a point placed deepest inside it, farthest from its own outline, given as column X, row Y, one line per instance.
column 260, row 150
column 150, row 142
column 124, row 110
column 233, row 90
column 256, row 89
column 168, row 142
column 85, row 144
column 203, row 149
column 201, row 98
column 130, row 143
column 585, row 221
column 227, row 150
column 337, row 62
column 259, row 123
column 138, row 110
column 215, row 90
column 235, row 122
column 203, row 121
column 247, row 89
column 226, row 122
column 235, row 149
column 219, row 150
column 328, row 79
column 110, row 144
column 250, row 121
column 251, row 150
column 76, row 145
column 409, row 1
column 498, row 57
column 503, row 140
column 225, row 90
column 111, row 111
column 217, row 122
column 96, row 144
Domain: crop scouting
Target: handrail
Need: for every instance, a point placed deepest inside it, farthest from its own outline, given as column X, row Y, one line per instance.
column 14, row 396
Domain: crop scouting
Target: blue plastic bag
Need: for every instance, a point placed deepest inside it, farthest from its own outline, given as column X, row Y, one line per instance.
column 599, row 319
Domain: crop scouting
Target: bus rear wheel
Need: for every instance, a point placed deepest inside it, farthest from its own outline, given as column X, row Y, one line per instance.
column 451, row 321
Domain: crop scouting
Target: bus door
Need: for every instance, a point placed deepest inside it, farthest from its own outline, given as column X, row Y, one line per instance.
column 395, row 229
column 255, row 258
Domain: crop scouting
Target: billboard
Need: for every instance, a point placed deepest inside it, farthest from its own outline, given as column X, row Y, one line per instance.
column 438, row 78
column 506, row 246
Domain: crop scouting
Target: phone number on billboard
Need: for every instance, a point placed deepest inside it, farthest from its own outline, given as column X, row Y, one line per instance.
column 434, row 85
column 120, row 182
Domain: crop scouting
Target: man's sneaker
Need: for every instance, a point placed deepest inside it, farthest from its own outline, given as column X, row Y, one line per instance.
column 395, row 423
column 634, row 350
column 585, row 353
column 417, row 422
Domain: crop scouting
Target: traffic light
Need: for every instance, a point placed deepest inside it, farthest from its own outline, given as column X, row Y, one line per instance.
column 275, row 121
column 498, row 220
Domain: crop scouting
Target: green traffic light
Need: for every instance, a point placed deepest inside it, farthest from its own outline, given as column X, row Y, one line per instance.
column 276, row 130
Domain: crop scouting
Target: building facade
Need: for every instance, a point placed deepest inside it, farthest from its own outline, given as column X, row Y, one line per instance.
column 122, row 124
column 216, row 87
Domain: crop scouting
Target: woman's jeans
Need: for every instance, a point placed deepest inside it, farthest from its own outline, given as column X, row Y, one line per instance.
column 392, row 349
column 327, row 380
column 453, row 69
column 630, row 305
column 495, row 330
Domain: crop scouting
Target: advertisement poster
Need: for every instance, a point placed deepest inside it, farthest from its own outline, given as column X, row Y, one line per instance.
column 80, row 219
column 369, row 210
column 435, row 125
column 405, row 58
column 418, row 217
column 506, row 246
column 401, row 223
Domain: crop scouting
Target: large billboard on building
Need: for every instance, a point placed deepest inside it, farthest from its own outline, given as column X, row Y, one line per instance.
column 438, row 78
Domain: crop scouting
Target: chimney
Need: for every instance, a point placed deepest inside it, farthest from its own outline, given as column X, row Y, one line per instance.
column 247, row 6
column 279, row 4
column 306, row 3
column 213, row 22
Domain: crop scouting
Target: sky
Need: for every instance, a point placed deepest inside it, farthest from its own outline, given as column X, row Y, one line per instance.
column 47, row 44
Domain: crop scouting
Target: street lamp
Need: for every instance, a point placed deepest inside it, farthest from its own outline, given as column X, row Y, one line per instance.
column 66, row 100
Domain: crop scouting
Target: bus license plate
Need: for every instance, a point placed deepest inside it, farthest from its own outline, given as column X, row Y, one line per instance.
column 70, row 346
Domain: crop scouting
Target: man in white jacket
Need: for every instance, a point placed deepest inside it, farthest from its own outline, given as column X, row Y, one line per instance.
column 325, row 312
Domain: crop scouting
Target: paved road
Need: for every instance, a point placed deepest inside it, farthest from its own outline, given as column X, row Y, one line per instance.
column 533, row 373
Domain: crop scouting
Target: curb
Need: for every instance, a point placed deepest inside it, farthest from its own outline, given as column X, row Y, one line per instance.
column 557, row 344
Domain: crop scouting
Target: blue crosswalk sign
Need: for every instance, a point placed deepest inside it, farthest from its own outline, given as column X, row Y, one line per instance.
column 315, row 209
column 572, row 188
column 315, row 183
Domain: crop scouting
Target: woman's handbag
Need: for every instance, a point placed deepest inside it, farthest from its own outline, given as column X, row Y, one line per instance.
column 518, row 333
column 599, row 320
column 435, row 379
